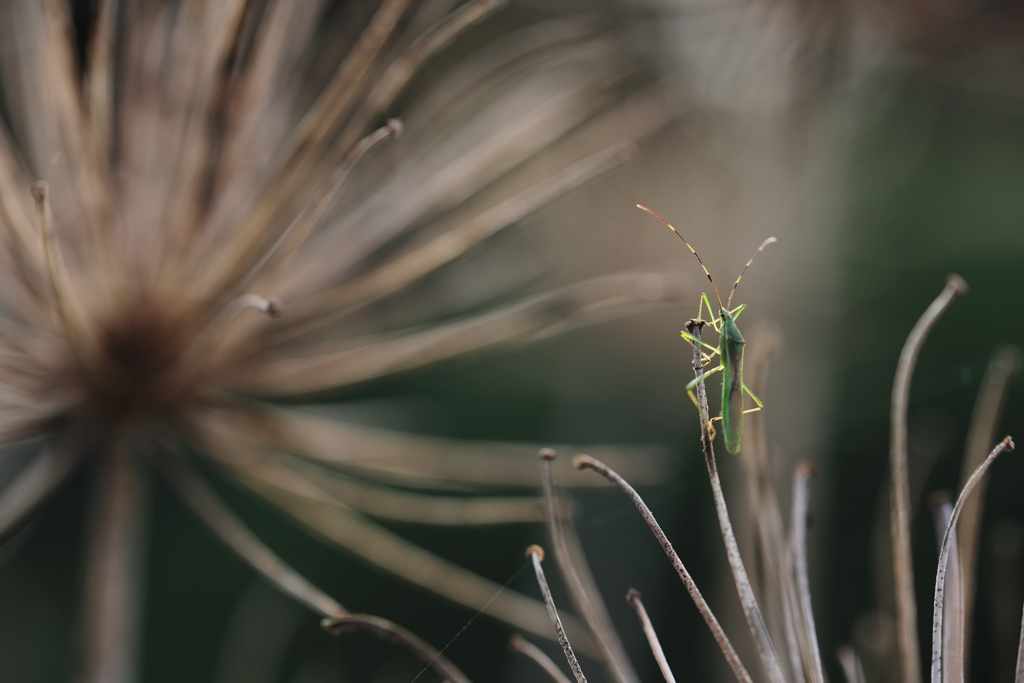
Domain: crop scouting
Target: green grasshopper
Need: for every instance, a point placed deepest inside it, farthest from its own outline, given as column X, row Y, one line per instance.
column 729, row 349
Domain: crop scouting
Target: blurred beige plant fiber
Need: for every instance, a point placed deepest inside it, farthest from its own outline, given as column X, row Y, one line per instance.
column 202, row 159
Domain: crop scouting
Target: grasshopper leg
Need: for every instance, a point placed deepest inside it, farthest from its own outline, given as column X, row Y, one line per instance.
column 690, row 338
column 758, row 401
column 693, row 397
column 716, row 320
column 711, row 427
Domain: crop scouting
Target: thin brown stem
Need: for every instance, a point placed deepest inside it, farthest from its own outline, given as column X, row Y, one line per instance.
column 389, row 630
column 903, row 571
column 536, row 554
column 204, row 348
column 303, row 151
column 64, row 302
column 634, row 599
column 114, row 572
column 525, row 647
column 580, row 582
column 751, row 611
column 988, row 409
column 198, row 495
column 398, row 74
column 586, row 462
column 798, row 547
column 321, row 201
column 98, row 80
column 340, row 525
column 938, row 604
column 328, row 306
column 778, row 585
column 953, row 619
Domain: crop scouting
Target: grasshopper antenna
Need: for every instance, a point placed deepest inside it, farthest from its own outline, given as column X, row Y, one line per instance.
column 736, row 284
column 644, row 208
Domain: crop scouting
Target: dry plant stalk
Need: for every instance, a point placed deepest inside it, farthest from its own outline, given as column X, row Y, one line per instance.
column 798, row 541
column 196, row 223
column 404, row 637
column 579, row 580
column 587, row 462
column 787, row 563
column 988, row 410
column 633, row 598
column 953, row 606
column 536, row 555
column 751, row 610
column 903, row 573
column 939, row 604
column 528, row 649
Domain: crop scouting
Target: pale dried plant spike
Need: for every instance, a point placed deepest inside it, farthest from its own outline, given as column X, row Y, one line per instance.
column 98, row 81
column 903, row 572
column 417, row 262
column 205, row 36
column 390, row 631
column 953, row 618
column 413, row 461
column 525, row 647
column 113, row 575
column 322, row 199
column 375, row 356
column 798, row 548
column 201, row 352
column 988, row 410
column 634, row 599
column 271, row 307
column 587, row 462
column 581, row 584
column 216, row 515
column 536, row 555
column 63, row 105
column 384, row 503
column 938, row 604
column 397, row 75
column 332, row 104
column 344, row 527
column 758, row 629
column 791, row 615
column 851, row 664
column 779, row 583
column 60, row 284
column 343, row 89
column 16, row 215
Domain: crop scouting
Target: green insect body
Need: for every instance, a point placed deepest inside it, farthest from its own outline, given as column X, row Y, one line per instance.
column 729, row 350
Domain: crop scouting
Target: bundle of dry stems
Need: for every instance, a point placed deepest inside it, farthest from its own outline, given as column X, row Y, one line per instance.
column 783, row 583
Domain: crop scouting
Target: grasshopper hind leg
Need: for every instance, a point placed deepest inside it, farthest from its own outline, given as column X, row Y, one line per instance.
column 693, row 397
column 760, row 404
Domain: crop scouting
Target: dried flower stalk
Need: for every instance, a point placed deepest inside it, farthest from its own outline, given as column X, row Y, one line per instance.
column 755, row 621
column 906, row 609
column 177, row 169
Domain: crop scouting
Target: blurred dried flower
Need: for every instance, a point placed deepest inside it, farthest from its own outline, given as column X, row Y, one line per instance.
column 205, row 158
